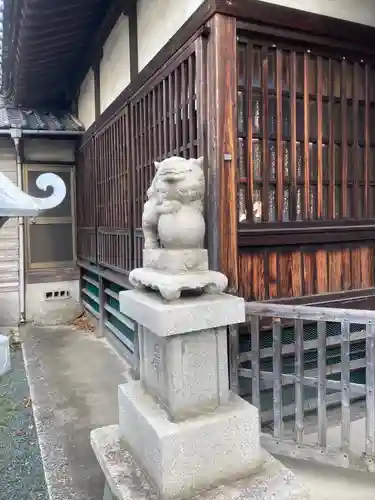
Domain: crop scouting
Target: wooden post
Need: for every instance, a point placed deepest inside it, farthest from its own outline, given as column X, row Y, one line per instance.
column 97, row 98
column 222, row 147
column 102, row 311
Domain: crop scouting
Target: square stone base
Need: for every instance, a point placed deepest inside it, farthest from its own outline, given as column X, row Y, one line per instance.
column 192, row 455
column 189, row 314
column 126, row 481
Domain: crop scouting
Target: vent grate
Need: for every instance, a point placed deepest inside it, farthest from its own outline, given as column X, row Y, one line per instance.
column 57, row 294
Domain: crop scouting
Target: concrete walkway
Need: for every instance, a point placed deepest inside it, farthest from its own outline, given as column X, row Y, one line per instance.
column 73, row 381
column 329, row 483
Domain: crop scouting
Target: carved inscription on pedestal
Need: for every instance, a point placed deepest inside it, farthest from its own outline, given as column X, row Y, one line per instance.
column 156, row 360
column 154, row 374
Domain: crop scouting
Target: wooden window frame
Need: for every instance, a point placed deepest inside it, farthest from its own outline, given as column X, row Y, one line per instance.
column 308, row 231
column 45, row 220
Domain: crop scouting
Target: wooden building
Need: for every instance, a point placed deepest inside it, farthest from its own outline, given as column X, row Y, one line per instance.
column 39, row 278
column 279, row 101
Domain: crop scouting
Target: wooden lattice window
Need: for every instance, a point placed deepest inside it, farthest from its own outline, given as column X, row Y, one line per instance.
column 164, row 121
column 86, row 202
column 306, row 135
column 160, row 120
column 114, row 194
column 165, row 124
column 113, row 161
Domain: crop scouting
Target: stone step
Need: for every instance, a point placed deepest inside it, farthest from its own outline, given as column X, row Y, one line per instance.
column 125, row 480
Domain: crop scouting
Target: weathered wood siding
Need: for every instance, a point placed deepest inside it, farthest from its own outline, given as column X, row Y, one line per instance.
column 282, row 272
column 305, row 167
column 9, row 246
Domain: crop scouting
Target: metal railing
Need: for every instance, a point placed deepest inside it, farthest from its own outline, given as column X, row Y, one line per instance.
column 291, row 355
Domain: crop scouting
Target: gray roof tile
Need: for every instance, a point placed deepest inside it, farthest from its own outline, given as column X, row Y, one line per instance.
column 29, row 119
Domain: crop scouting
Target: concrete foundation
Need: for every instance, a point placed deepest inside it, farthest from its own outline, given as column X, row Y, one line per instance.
column 9, row 310
column 53, row 303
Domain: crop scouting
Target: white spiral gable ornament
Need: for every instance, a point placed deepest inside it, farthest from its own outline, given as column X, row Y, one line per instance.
column 16, row 203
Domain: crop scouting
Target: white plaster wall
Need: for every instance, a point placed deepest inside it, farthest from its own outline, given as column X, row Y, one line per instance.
column 358, row 11
column 86, row 100
column 9, row 247
column 53, row 311
column 158, row 21
column 115, row 63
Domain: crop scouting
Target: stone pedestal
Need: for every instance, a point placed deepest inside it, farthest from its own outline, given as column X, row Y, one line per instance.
column 172, row 272
column 181, row 432
column 183, row 349
column 196, row 378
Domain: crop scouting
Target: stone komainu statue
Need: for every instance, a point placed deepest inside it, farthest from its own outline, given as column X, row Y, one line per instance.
column 173, row 215
column 174, row 257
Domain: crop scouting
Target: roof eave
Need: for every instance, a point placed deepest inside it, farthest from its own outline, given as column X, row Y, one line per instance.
column 11, row 20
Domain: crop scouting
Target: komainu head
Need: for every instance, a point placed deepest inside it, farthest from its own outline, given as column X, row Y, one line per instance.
column 179, row 180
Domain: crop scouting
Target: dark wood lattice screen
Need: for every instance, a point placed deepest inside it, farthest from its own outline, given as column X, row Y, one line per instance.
column 158, row 122
column 164, row 120
column 306, row 135
column 114, row 194
column 86, row 203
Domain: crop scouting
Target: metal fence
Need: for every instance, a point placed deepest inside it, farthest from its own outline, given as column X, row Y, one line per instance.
column 311, row 372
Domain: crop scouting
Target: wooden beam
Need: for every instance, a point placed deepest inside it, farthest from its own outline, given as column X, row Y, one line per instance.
column 133, row 41
column 129, row 9
column 270, row 14
column 109, row 21
column 222, row 146
column 314, row 234
column 127, row 6
column 96, row 71
column 11, row 23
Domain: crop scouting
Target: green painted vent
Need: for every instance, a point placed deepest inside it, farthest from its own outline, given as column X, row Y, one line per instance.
column 122, row 327
column 119, row 324
column 90, row 292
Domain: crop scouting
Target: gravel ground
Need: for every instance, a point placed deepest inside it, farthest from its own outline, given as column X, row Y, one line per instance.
column 21, row 470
